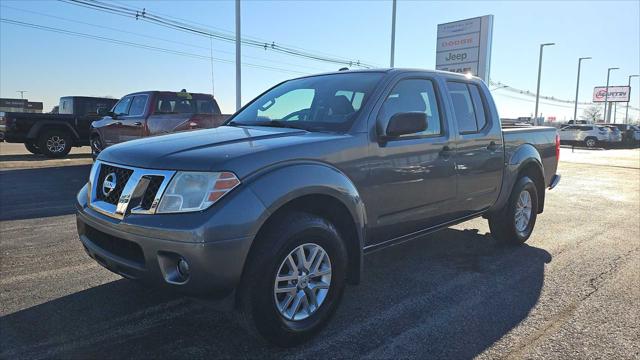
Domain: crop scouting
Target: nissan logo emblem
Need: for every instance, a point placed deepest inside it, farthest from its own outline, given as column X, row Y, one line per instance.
column 109, row 184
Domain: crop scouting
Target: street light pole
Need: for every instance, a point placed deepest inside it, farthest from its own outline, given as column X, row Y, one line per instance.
column 538, row 87
column 238, row 64
column 606, row 96
column 22, row 93
column 575, row 107
column 626, row 112
column 393, row 33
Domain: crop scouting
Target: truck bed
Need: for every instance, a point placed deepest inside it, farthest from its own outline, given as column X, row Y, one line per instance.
column 542, row 138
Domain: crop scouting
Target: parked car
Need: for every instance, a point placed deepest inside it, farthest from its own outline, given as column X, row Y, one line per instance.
column 150, row 113
column 274, row 211
column 589, row 135
column 630, row 133
column 615, row 135
column 53, row 135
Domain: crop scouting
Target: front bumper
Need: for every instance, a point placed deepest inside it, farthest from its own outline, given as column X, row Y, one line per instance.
column 149, row 247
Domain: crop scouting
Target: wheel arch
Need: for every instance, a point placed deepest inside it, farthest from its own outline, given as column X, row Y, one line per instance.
column 39, row 127
column 524, row 160
column 319, row 189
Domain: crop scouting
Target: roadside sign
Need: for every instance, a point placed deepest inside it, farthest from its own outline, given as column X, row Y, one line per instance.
column 465, row 46
column 616, row 94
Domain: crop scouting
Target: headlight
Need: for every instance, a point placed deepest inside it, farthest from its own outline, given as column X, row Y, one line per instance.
column 194, row 191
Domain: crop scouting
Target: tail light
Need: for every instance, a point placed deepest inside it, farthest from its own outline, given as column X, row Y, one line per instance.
column 557, row 146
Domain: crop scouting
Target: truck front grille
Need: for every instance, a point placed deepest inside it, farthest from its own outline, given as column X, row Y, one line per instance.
column 122, row 175
column 127, row 190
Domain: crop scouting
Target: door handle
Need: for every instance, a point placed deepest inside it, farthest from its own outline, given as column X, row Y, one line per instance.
column 116, row 123
column 492, row 146
column 137, row 123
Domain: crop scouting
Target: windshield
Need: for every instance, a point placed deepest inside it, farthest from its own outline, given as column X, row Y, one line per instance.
column 327, row 102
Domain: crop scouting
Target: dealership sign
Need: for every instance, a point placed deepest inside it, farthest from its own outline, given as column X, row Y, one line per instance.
column 465, row 46
column 616, row 94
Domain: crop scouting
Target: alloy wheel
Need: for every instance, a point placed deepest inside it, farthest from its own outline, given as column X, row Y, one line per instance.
column 302, row 282
column 523, row 211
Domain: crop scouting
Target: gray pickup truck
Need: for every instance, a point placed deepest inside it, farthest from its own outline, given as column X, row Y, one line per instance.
column 272, row 213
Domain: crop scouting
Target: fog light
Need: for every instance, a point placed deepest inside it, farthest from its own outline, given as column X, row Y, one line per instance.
column 183, row 268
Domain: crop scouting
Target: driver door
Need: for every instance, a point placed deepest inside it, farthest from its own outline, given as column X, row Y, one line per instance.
column 110, row 130
column 412, row 182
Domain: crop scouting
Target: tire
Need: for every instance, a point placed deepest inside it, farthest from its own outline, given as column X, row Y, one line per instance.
column 591, row 142
column 505, row 226
column 55, row 143
column 32, row 147
column 258, row 299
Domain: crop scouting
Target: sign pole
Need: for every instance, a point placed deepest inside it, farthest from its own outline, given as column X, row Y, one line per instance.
column 607, row 115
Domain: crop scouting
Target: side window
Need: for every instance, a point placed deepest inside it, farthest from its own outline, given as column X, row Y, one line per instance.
column 478, row 106
column 138, row 105
column 463, row 107
column 122, row 107
column 468, row 107
column 413, row 95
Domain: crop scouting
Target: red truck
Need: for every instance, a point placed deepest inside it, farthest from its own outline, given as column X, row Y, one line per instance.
column 150, row 113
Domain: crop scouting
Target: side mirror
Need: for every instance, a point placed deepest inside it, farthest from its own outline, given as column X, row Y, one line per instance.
column 406, row 123
column 102, row 111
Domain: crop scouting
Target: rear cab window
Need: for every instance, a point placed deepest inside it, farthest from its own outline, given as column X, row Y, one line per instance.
column 468, row 106
column 185, row 103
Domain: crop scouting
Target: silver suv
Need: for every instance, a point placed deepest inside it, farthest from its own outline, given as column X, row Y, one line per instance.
column 590, row 135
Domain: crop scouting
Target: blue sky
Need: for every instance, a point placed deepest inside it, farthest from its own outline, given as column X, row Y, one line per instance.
column 49, row 65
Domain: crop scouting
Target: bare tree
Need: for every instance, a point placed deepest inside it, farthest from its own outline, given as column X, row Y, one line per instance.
column 592, row 113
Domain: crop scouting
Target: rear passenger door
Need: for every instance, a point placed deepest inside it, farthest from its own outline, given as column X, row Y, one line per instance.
column 480, row 153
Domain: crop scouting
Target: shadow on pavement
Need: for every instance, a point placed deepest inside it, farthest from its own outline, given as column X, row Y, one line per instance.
column 44, row 192
column 449, row 295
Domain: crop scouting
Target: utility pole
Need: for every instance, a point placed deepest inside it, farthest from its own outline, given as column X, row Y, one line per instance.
column 393, row 33
column 607, row 116
column 575, row 107
column 22, row 93
column 238, row 65
column 626, row 113
column 212, row 83
column 539, row 73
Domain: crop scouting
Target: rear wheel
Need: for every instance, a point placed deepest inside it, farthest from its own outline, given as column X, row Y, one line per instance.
column 514, row 223
column 55, row 143
column 32, row 147
column 294, row 279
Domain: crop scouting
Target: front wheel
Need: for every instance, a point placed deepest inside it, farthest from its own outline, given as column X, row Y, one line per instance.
column 294, row 279
column 55, row 143
column 591, row 142
column 32, row 147
column 514, row 223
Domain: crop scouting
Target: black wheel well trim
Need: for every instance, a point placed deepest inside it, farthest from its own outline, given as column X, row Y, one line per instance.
column 39, row 128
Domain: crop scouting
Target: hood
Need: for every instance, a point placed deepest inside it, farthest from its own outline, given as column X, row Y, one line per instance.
column 204, row 150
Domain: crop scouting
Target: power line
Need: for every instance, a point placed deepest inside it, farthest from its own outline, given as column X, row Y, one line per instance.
column 141, row 46
column 145, row 15
column 157, row 38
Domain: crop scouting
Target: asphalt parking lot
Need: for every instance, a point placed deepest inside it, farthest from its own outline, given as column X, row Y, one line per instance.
column 572, row 292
